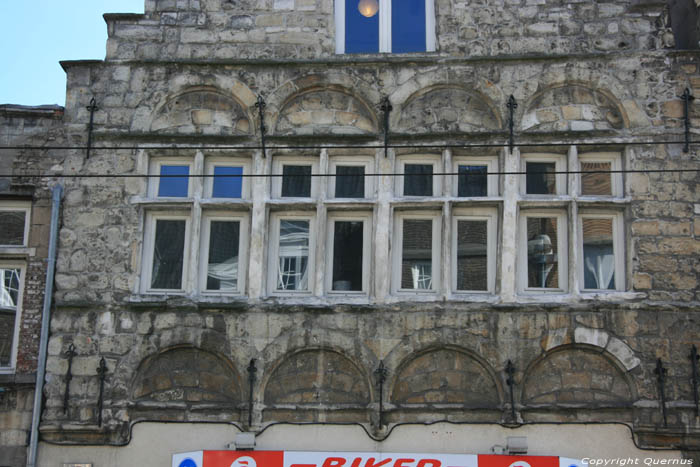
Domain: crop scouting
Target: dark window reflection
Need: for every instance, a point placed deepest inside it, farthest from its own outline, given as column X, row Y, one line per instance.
column 296, row 181
column 472, row 180
column 542, row 255
column 541, row 178
column 349, row 182
column 347, row 255
column 168, row 254
column 12, row 227
column 418, row 180
column 222, row 268
column 472, row 255
column 417, row 254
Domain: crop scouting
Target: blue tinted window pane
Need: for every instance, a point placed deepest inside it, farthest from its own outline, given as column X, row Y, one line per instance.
column 408, row 26
column 227, row 182
column 361, row 33
column 170, row 184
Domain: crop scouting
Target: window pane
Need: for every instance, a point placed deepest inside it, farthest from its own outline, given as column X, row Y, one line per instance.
column 542, row 259
column 168, row 254
column 471, row 255
column 541, row 178
column 596, row 183
column 172, row 185
column 472, row 180
column 12, row 227
column 418, row 180
column 347, row 255
column 227, row 182
column 349, row 182
column 408, row 26
column 9, row 294
column 361, row 33
column 296, row 181
column 293, row 255
column 598, row 254
column 222, row 268
column 417, row 254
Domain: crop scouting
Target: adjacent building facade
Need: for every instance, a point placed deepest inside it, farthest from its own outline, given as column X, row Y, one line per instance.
column 422, row 230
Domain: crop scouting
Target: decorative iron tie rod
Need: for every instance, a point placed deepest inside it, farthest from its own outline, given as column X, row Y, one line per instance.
column 687, row 99
column 512, row 105
column 260, row 104
column 510, row 381
column 70, row 353
column 102, row 372
column 92, row 108
column 660, row 372
column 694, row 357
column 251, row 380
column 381, row 374
column 386, row 107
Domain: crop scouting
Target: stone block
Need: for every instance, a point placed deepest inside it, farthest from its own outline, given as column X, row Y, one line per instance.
column 589, row 336
column 623, row 353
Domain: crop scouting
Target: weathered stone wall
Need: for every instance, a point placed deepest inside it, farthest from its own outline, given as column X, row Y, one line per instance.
column 15, row 418
column 305, row 29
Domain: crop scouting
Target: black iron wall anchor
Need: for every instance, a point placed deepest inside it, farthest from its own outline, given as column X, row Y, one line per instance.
column 512, row 105
column 386, row 107
column 694, row 357
column 510, row 381
column 687, row 99
column 381, row 374
column 660, row 372
column 260, row 104
column 70, row 353
column 102, row 372
column 251, row 380
column 92, row 108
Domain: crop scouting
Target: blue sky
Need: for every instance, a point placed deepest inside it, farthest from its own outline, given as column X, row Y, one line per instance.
column 36, row 34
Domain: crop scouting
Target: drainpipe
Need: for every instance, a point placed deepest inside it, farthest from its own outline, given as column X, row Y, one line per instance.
column 45, row 319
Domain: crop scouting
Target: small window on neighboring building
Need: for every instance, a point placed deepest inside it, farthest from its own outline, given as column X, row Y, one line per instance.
column 171, row 179
column 223, row 255
column 292, row 254
column 417, row 262
column 348, row 259
column 10, row 299
column 14, row 223
column 372, row 26
column 600, row 174
column 165, row 259
column 350, row 180
column 474, row 250
column 418, row 178
column 602, row 264
column 293, row 177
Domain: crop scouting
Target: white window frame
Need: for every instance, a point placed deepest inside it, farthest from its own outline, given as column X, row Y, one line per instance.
column 366, row 219
column 154, row 180
column 213, row 162
column 333, row 164
column 243, row 229
column 385, row 26
column 149, row 244
column 278, row 164
column 560, row 162
column 436, row 266
column 426, row 159
column 490, row 215
column 562, row 251
column 618, row 248
column 19, row 206
column 18, row 314
column 491, row 164
column 274, row 244
column 615, row 159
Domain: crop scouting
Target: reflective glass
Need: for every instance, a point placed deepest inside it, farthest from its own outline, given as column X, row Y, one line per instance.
column 598, row 182
column 417, row 254
column 9, row 294
column 472, row 180
column 172, row 185
column 12, row 227
column 168, row 254
column 472, row 255
column 222, row 267
column 296, row 181
column 347, row 255
column 361, row 33
column 542, row 255
column 349, row 182
column 408, row 26
column 541, row 178
column 293, row 255
column 227, row 182
column 598, row 254
column 418, row 180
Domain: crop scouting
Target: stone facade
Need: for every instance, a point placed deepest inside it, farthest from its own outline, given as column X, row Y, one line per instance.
column 594, row 83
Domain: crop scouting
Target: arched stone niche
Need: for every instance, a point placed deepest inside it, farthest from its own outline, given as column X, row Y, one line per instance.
column 443, row 109
column 572, row 107
column 187, row 374
column 445, row 376
column 317, row 376
column 323, row 111
column 203, row 110
column 576, row 375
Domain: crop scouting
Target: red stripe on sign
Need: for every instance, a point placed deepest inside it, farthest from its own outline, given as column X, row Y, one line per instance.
column 518, row 461
column 243, row 459
column 303, row 465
